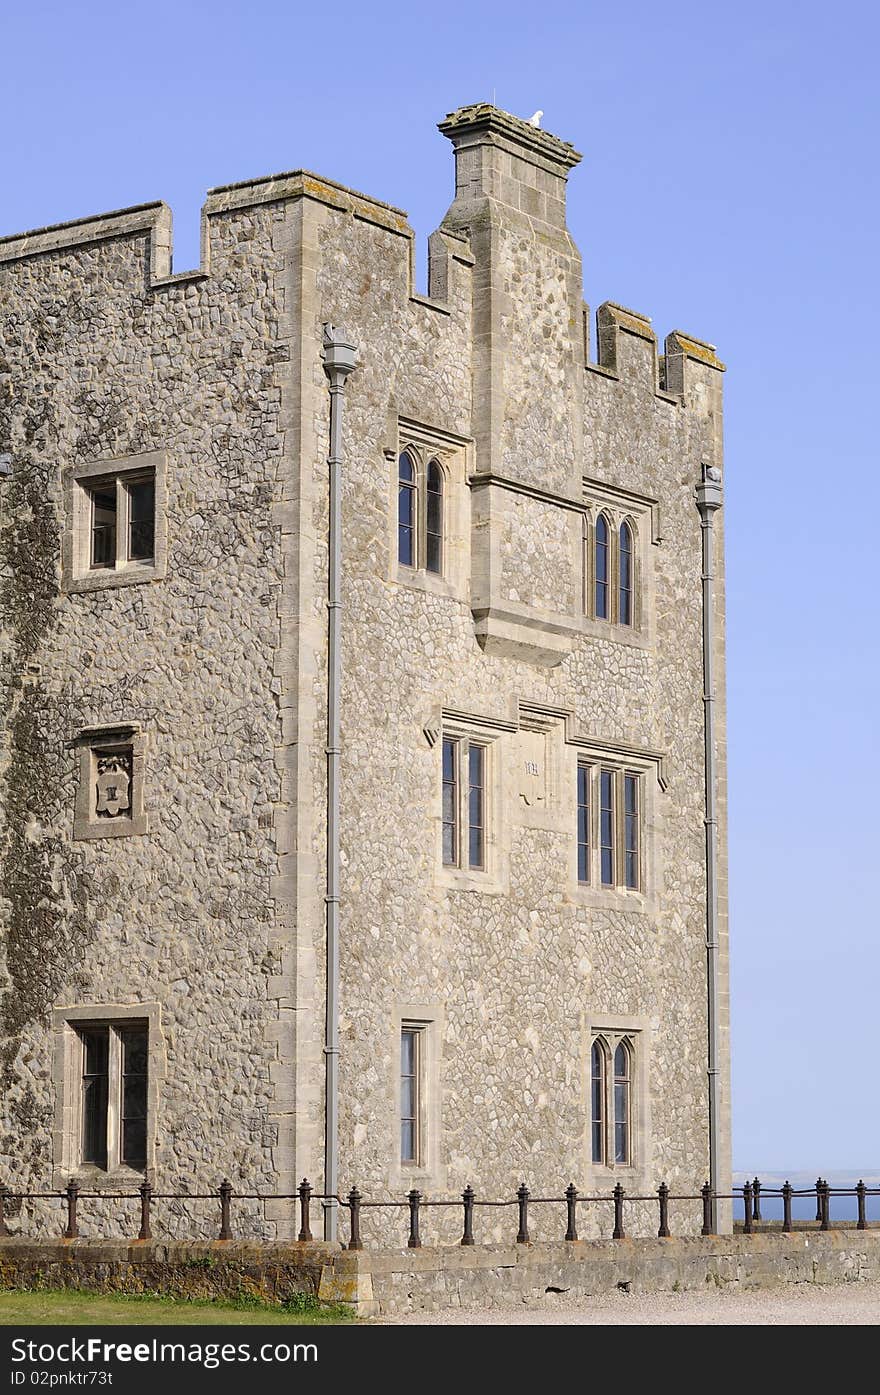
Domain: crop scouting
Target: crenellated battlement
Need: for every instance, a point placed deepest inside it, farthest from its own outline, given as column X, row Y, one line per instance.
column 626, row 345
column 155, row 221
column 498, row 156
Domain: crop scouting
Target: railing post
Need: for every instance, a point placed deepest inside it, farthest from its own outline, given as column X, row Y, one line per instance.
column 860, row 1193
column 706, row 1192
column 414, row 1241
column 619, row 1232
column 145, row 1232
column 305, row 1197
column 467, row 1197
column 225, row 1210
column 747, row 1208
column 756, row 1200
column 663, row 1198
column 818, row 1198
column 4, row 1229
column 571, row 1197
column 825, row 1206
column 522, row 1197
column 786, row 1207
column 72, row 1230
column 354, row 1206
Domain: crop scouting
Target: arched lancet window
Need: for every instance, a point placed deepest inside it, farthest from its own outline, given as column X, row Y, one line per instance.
column 602, row 567
column 622, row 1072
column 625, row 589
column 597, row 1094
column 434, row 518
column 406, row 510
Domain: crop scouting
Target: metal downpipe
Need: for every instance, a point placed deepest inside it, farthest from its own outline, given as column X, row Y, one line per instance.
column 339, row 361
column 708, row 502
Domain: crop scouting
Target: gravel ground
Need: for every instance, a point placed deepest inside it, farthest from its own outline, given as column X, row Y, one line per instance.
column 838, row 1305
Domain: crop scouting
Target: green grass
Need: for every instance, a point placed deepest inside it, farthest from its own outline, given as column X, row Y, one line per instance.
column 66, row 1307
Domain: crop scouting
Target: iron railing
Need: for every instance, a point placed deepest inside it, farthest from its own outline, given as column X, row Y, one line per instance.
column 751, row 1195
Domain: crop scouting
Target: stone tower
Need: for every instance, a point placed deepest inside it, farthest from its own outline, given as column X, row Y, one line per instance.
column 523, row 897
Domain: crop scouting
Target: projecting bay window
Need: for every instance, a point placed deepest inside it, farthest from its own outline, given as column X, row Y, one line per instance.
column 464, row 804
column 608, row 827
column 113, row 1130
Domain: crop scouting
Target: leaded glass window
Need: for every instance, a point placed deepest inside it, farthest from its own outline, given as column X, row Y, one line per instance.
column 625, row 588
column 597, row 1099
column 476, row 806
column 141, row 520
column 450, row 802
column 602, row 568
column 95, row 1085
column 115, row 1074
column 464, row 803
column 133, row 1142
column 410, row 1091
column 584, row 775
column 631, row 830
column 406, row 511
column 621, row 1103
column 606, row 826
column 123, row 520
column 434, row 519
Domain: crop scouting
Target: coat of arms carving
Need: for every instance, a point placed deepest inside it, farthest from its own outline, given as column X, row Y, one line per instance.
column 113, row 784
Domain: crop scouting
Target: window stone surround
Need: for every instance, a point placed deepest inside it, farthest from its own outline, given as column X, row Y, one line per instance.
column 67, row 1084
column 636, row 1175
column 430, row 1172
column 452, row 453
column 488, row 733
column 89, row 744
column 642, row 513
column 77, row 573
column 646, row 765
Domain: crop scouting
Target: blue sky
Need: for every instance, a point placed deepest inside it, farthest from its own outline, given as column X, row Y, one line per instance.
column 729, row 188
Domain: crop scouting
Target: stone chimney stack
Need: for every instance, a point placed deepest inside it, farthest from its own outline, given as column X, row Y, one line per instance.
column 507, row 159
column 510, row 181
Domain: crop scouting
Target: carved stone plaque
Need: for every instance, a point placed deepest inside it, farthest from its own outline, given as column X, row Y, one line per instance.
column 113, row 784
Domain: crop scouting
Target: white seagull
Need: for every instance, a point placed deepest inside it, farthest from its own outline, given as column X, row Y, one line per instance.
column 536, row 119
